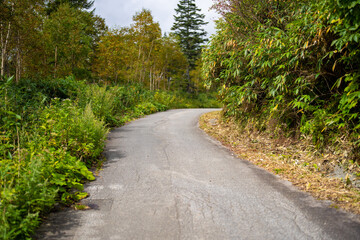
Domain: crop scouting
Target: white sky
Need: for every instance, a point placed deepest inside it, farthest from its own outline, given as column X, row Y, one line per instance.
column 119, row 12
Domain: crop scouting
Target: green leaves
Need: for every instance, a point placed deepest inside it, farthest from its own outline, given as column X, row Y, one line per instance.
column 140, row 54
column 297, row 65
column 46, row 146
column 188, row 27
column 70, row 37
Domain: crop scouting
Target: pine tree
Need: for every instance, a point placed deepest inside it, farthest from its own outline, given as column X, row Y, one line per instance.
column 188, row 27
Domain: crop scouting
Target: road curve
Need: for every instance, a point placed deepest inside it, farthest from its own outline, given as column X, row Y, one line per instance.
column 165, row 179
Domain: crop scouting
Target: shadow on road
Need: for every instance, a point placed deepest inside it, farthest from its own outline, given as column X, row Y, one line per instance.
column 59, row 225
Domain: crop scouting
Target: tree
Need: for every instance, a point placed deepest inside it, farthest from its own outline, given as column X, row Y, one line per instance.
column 34, row 44
column 6, row 15
column 147, row 36
column 71, row 36
column 188, row 27
column 53, row 5
column 116, row 54
column 140, row 53
column 171, row 62
column 20, row 35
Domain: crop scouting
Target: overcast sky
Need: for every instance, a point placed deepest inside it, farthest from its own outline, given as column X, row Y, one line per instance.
column 119, row 12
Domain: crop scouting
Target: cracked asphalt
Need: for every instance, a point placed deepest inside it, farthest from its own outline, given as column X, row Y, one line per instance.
column 166, row 179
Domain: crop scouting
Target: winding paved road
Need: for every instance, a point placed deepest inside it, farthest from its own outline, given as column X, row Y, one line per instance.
column 165, row 179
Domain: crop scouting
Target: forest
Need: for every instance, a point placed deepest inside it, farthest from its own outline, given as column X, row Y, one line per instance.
column 46, row 39
column 291, row 68
column 66, row 80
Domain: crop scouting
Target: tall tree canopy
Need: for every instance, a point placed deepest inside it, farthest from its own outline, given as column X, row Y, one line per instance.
column 36, row 44
column 20, row 35
column 57, row 38
column 188, row 27
column 140, row 53
column 71, row 36
column 53, row 5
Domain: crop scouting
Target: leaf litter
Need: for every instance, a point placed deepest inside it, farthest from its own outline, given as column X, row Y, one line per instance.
column 318, row 173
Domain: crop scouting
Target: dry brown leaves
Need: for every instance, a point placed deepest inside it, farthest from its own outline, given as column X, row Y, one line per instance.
column 292, row 160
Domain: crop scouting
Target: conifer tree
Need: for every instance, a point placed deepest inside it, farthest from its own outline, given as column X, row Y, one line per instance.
column 188, row 27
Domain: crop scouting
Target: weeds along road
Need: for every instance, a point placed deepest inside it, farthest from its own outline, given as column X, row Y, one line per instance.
column 165, row 179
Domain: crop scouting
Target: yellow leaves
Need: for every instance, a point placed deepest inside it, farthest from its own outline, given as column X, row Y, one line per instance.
column 336, row 21
column 3, row 137
column 319, row 33
column 213, row 64
column 275, row 108
column 231, row 43
column 333, row 67
column 328, row 29
column 52, row 142
column 271, row 41
column 306, row 44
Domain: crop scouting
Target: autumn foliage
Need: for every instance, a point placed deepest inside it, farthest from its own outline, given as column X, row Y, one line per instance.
column 140, row 53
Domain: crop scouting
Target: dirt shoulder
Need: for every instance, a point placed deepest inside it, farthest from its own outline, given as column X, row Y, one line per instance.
column 290, row 159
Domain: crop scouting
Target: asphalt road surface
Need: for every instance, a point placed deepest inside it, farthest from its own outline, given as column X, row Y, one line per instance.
column 165, row 179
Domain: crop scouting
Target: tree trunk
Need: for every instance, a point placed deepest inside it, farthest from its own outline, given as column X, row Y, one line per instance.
column 55, row 68
column 138, row 67
column 150, row 80
column 18, row 59
column 188, row 79
column 169, row 83
column 4, row 44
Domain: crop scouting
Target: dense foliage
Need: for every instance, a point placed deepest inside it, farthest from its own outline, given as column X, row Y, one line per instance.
column 52, row 126
column 139, row 53
column 290, row 65
column 52, row 5
column 42, row 39
column 188, row 28
column 36, row 42
column 52, row 131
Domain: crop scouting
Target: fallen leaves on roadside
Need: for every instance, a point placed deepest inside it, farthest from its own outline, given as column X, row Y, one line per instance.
column 291, row 159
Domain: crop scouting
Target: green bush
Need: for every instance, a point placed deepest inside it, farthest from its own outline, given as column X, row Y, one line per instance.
column 39, row 167
column 51, row 131
column 79, row 131
column 23, row 195
column 102, row 100
column 295, row 63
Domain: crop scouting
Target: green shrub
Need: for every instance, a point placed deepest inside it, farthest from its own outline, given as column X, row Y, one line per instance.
column 295, row 63
column 25, row 192
column 51, row 131
column 101, row 98
column 79, row 131
column 88, row 134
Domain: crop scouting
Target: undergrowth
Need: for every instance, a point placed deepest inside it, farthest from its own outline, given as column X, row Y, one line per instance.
column 293, row 64
column 52, row 131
